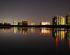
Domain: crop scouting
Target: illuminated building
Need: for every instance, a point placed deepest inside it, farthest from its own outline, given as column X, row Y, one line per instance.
column 44, row 23
column 23, row 23
column 58, row 20
column 20, row 23
column 15, row 23
column 68, row 19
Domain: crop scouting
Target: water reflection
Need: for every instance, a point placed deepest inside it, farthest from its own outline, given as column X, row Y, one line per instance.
column 5, row 29
column 15, row 30
column 23, row 30
column 56, row 42
column 68, row 37
column 45, row 31
column 59, row 34
column 32, row 30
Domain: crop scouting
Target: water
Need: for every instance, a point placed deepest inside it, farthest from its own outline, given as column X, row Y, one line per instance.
column 35, row 40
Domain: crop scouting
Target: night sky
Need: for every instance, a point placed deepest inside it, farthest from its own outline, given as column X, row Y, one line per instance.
column 33, row 10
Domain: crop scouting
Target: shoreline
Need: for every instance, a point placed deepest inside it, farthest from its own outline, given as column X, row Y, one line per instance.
column 47, row 26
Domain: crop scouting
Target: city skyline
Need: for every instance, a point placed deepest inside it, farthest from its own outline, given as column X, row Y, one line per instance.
column 35, row 27
column 33, row 10
column 56, row 20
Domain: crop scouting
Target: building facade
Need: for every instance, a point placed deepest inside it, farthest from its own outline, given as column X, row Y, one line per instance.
column 23, row 23
column 68, row 19
column 58, row 20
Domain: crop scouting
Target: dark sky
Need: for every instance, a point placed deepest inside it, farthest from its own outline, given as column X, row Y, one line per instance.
column 33, row 10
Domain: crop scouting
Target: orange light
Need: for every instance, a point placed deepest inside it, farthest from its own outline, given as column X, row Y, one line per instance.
column 32, row 30
column 69, row 43
column 56, row 42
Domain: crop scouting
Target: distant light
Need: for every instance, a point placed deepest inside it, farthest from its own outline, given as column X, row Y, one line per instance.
column 32, row 30
column 45, row 23
column 15, row 23
column 60, row 35
column 32, row 23
column 15, row 30
column 44, row 31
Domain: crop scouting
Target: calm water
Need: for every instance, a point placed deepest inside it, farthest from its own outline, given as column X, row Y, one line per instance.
column 35, row 40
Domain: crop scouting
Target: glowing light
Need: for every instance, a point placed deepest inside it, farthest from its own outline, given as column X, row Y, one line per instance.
column 25, row 31
column 56, row 42
column 15, row 23
column 20, row 23
column 44, row 31
column 4, row 30
column 32, row 30
column 60, row 34
column 15, row 30
column 45, row 23
column 20, row 30
column 58, row 20
column 32, row 23
column 69, row 43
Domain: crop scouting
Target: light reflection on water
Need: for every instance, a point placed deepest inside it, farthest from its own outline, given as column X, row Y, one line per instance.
column 45, row 31
column 57, row 37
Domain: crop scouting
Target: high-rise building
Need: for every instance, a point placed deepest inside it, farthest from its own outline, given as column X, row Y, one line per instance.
column 68, row 19
column 58, row 20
